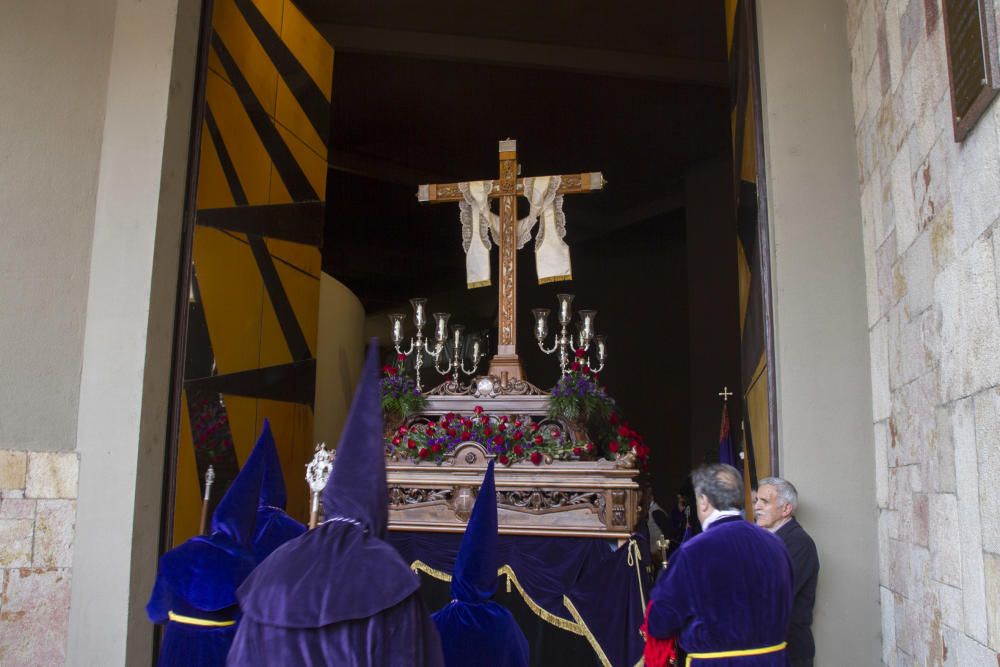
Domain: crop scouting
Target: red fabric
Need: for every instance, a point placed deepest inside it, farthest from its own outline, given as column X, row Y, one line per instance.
column 658, row 652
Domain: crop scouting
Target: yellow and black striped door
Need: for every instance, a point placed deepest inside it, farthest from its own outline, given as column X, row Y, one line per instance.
column 254, row 298
column 752, row 257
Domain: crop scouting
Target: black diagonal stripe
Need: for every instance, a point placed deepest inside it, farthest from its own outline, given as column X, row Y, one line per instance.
column 289, row 170
column 228, row 168
column 293, row 383
column 294, row 338
column 300, row 223
column 305, row 90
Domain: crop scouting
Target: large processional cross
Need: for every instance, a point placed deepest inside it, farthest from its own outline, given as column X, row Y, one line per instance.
column 506, row 365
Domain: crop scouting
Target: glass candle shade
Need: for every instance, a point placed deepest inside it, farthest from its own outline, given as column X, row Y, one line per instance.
column 441, row 326
column 419, row 312
column 601, row 343
column 587, row 318
column 396, row 322
column 565, row 308
column 457, row 337
column 541, row 322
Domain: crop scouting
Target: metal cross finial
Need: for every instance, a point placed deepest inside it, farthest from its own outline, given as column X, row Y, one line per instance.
column 725, row 394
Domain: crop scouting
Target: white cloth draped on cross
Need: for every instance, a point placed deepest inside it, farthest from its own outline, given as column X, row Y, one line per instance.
column 552, row 260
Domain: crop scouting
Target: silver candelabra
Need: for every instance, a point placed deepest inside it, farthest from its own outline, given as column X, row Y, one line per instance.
column 565, row 342
column 420, row 345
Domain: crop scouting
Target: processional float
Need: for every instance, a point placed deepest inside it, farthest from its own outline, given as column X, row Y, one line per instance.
column 558, row 482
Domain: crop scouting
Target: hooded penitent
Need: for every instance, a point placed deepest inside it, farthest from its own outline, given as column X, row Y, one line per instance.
column 475, row 630
column 274, row 526
column 195, row 590
column 340, row 594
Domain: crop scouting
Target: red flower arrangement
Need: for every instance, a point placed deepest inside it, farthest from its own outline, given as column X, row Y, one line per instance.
column 432, row 440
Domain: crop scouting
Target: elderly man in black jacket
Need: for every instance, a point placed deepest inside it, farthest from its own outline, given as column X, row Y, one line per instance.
column 774, row 510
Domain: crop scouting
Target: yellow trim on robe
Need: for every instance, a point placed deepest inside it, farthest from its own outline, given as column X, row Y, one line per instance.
column 555, row 279
column 190, row 620
column 479, row 283
column 735, row 654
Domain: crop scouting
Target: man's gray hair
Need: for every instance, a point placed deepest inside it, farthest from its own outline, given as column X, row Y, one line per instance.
column 784, row 489
column 721, row 483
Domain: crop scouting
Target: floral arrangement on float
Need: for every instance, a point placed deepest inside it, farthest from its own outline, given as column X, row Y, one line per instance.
column 401, row 397
column 578, row 401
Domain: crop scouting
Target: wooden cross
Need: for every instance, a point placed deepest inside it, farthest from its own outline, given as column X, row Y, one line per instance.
column 506, row 364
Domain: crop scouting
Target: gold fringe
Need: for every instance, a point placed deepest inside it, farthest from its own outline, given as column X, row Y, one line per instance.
column 586, row 631
column 555, row 279
column 479, row 283
column 557, row 621
column 548, row 617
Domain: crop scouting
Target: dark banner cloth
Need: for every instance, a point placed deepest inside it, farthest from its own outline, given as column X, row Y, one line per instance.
column 599, row 578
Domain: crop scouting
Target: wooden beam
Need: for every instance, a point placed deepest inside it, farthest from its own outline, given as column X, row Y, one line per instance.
column 569, row 184
column 360, row 39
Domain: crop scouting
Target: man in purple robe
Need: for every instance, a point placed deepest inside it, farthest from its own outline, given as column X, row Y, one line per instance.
column 727, row 594
column 274, row 526
column 195, row 589
column 474, row 629
column 339, row 594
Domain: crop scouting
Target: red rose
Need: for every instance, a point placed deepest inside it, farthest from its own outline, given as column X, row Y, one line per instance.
column 402, row 429
column 539, row 440
column 613, row 419
column 430, row 430
column 487, row 431
column 392, row 371
column 536, row 457
column 478, row 409
column 503, row 459
column 502, row 427
column 411, row 444
column 451, row 432
column 450, row 416
column 435, row 448
column 623, row 431
column 466, row 423
column 423, row 453
column 466, row 435
column 555, row 433
column 503, row 419
column 590, row 447
column 396, row 440
column 518, row 449
column 400, row 357
column 577, row 451
column 575, row 366
column 634, row 444
column 534, row 427
column 498, row 440
column 519, row 423
column 518, row 435
column 580, row 353
column 385, row 369
column 613, row 446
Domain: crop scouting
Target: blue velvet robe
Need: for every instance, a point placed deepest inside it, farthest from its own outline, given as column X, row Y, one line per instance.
column 474, row 629
column 274, row 527
column 729, row 588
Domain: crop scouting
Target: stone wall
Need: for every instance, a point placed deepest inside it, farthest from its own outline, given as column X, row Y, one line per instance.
column 37, row 513
column 932, row 249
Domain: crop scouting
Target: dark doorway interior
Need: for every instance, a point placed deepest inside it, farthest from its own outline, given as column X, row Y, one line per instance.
column 422, row 94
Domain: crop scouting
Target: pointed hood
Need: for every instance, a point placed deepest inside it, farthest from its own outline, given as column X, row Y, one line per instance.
column 357, row 486
column 361, row 574
column 236, row 514
column 272, row 487
column 475, row 576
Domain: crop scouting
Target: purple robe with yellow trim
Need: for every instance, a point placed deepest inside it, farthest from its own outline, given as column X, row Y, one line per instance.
column 196, row 582
column 729, row 588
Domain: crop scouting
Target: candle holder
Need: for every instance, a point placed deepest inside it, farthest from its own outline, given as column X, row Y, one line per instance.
column 565, row 342
column 456, row 364
column 420, row 346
